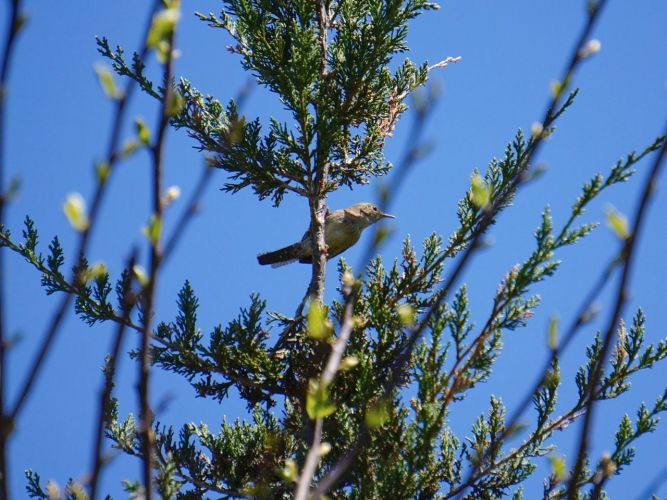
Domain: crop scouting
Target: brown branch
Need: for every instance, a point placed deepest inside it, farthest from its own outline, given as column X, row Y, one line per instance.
column 317, row 192
column 188, row 213
column 327, row 377
column 13, row 27
column 629, row 247
column 128, row 301
column 146, row 413
column 323, row 22
column 98, row 197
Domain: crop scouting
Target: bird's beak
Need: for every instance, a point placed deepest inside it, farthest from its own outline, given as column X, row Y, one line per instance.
column 388, row 216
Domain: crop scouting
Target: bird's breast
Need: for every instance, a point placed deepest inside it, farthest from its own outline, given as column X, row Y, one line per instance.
column 340, row 235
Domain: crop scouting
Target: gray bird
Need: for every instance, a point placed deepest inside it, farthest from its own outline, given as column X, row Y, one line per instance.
column 342, row 229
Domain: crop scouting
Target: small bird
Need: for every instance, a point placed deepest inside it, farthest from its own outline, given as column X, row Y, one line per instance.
column 342, row 229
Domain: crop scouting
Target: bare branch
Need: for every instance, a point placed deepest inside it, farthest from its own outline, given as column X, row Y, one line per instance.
column 146, row 413
column 13, row 27
column 100, row 191
column 330, row 370
column 627, row 254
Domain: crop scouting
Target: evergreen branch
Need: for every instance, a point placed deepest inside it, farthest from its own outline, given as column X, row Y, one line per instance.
column 633, row 361
column 566, row 235
column 236, row 352
column 553, row 111
column 133, row 448
column 624, row 452
column 627, row 254
column 135, row 72
column 269, row 165
column 100, row 191
column 557, row 424
column 15, row 20
column 90, row 310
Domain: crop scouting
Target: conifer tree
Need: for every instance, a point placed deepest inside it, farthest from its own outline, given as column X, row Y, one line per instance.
column 349, row 398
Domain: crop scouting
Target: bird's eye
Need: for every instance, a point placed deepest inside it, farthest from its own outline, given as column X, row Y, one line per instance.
column 375, row 209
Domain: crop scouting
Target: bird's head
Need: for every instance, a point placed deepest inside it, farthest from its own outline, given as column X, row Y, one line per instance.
column 369, row 213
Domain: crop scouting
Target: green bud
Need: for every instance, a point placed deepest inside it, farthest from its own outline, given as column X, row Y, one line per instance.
column 406, row 314
column 318, row 404
column 140, row 274
column 348, row 362
column 558, row 467
column 143, row 133
column 618, row 223
column 95, row 271
column 107, row 82
column 176, row 103
column 381, row 234
column 162, row 26
column 102, row 170
column 129, row 147
column 479, row 191
column 154, row 230
column 377, row 414
column 553, row 333
column 75, row 211
column 289, row 472
column 319, row 327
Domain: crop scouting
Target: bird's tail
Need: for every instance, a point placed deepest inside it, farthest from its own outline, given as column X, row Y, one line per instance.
column 280, row 257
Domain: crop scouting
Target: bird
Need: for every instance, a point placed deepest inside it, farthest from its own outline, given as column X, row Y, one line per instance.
column 342, row 229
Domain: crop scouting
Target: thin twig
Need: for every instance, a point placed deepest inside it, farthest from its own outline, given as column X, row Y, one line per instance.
column 195, row 199
column 654, row 485
column 5, row 426
column 404, row 357
column 313, row 457
column 146, row 418
column 188, row 213
column 629, row 247
column 109, row 374
column 100, row 191
column 328, row 375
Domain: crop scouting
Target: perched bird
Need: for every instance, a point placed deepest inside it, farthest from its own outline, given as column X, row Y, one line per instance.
column 342, row 229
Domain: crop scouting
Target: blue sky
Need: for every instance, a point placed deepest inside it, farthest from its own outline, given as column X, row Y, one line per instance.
column 57, row 126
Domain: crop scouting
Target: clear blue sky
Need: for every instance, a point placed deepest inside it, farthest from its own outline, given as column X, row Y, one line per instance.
column 58, row 123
